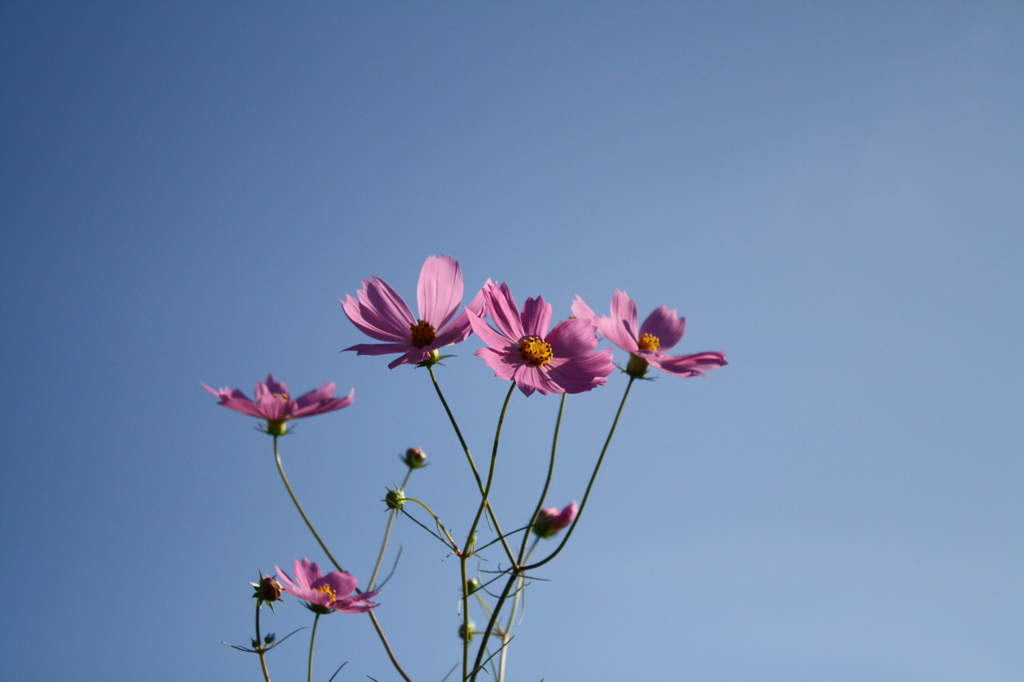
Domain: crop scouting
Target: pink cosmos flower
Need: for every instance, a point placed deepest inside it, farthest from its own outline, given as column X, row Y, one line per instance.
column 274, row 403
column 660, row 331
column 522, row 349
column 550, row 520
column 381, row 313
column 326, row 592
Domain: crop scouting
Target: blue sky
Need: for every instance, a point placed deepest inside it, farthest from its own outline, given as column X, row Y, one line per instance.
column 831, row 194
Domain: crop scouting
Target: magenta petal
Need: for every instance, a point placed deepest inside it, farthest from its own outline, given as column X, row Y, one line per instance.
column 489, row 336
column 306, row 572
column 504, row 311
column 585, row 372
column 503, row 362
column 689, row 365
column 624, row 312
column 380, row 348
column 582, row 310
column 342, row 582
column 368, row 322
column 530, row 379
column 387, row 305
column 439, row 291
column 666, row 325
column 414, row 355
column 536, row 317
column 570, row 338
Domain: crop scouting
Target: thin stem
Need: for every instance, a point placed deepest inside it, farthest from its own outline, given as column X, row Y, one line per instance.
column 302, row 513
column 590, row 485
column 323, row 546
column 484, row 502
column 312, row 641
column 387, row 534
column 472, row 464
column 259, row 643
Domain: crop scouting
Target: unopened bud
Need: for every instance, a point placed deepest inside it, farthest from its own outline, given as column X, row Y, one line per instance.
column 467, row 630
column 415, row 458
column 269, row 589
column 395, row 499
column 472, row 585
column 269, row 639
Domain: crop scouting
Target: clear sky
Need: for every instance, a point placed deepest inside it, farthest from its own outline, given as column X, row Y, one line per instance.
column 831, row 193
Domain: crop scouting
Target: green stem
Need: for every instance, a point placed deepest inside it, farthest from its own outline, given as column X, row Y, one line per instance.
column 323, row 546
column 484, row 502
column 472, row 464
column 259, row 643
column 312, row 641
column 523, row 556
column 387, row 534
column 590, row 485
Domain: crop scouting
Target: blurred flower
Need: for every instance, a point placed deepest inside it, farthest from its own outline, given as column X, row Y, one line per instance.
column 415, row 458
column 550, row 520
column 328, row 592
column 522, row 349
column 660, row 331
column 274, row 403
column 382, row 313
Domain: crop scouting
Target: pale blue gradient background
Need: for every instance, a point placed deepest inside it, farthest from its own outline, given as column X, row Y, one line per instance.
column 832, row 193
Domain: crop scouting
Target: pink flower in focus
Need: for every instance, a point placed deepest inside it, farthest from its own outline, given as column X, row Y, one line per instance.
column 326, row 592
column 522, row 349
column 662, row 330
column 550, row 520
column 381, row 313
column 274, row 403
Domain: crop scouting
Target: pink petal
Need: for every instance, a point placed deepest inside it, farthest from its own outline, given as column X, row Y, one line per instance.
column 666, row 325
column 570, row 338
column 439, row 291
column 341, row 582
column 624, row 312
column 380, row 348
column 460, row 328
column 536, row 317
column 530, row 379
column 582, row 310
column 583, row 373
column 385, row 307
column 306, row 572
column 504, row 311
column 503, row 362
column 487, row 333
column 412, row 356
column 368, row 322
column 689, row 365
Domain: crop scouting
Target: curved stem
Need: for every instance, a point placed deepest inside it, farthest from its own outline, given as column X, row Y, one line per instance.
column 484, row 502
column 472, row 464
column 302, row 513
column 387, row 534
column 590, row 485
column 312, row 641
column 323, row 546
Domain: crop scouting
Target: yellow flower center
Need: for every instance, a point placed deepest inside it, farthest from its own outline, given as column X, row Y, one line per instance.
column 423, row 333
column 536, row 350
column 282, row 396
column 329, row 591
column 648, row 342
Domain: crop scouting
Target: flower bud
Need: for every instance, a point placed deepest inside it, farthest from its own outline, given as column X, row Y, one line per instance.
column 467, row 630
column 395, row 499
column 269, row 588
column 551, row 520
column 636, row 367
column 415, row 458
column 472, row 585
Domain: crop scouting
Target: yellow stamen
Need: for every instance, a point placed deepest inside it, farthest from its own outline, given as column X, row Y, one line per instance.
column 329, row 591
column 536, row 350
column 282, row 396
column 423, row 333
column 648, row 342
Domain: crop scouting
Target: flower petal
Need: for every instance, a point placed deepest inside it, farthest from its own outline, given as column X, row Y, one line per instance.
column 624, row 312
column 530, row 379
column 503, row 362
column 488, row 334
column 581, row 310
column 536, row 317
column 342, row 582
column 306, row 572
column 584, row 372
column 666, row 325
column 688, row 365
column 570, row 338
column 504, row 311
column 366, row 319
column 439, row 291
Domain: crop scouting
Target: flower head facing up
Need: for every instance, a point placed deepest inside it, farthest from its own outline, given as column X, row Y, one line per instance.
column 325, row 592
column 550, row 520
column 522, row 350
column 380, row 312
column 648, row 344
column 274, row 403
